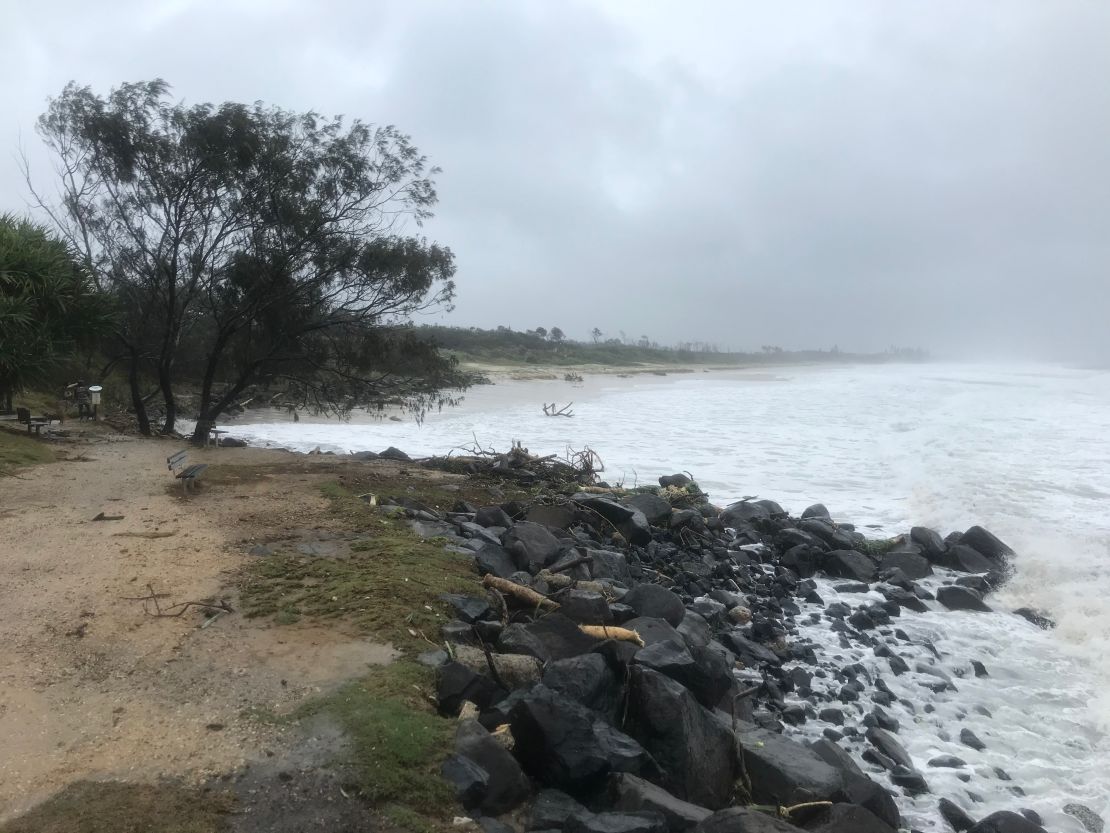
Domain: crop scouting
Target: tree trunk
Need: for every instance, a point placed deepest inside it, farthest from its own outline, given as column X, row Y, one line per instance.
column 204, row 425
column 6, row 399
column 137, row 395
column 165, row 383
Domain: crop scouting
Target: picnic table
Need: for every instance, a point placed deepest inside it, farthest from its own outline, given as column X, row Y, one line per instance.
column 23, row 416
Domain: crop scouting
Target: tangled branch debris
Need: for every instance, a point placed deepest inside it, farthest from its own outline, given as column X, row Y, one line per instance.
column 579, row 467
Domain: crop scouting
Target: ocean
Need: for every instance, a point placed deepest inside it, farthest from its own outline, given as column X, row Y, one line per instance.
column 1021, row 450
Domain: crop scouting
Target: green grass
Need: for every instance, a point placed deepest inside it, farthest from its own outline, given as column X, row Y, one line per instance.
column 396, row 742
column 115, row 807
column 19, row 451
column 388, row 586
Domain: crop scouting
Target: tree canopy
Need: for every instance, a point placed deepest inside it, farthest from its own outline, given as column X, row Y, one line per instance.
column 48, row 305
column 253, row 246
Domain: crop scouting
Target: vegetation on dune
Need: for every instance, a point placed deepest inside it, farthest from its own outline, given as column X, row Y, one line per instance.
column 538, row 347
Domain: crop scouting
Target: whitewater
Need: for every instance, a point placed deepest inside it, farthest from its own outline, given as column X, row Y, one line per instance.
column 1021, row 450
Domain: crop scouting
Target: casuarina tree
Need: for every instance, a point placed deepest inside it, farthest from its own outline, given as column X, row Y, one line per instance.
column 253, row 246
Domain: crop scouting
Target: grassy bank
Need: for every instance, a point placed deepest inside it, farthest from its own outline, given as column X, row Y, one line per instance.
column 387, row 586
column 18, row 450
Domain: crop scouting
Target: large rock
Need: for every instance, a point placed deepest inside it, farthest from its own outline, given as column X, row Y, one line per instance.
column 913, row 565
column 783, row 771
column 532, row 546
column 743, row 820
column 848, row 818
column 955, row 816
column 849, row 564
column 506, row 786
column 965, row 559
column 644, row 821
column 554, row 515
column 695, row 751
column 858, row 788
column 628, row 792
column 744, row 512
column 615, row 513
column 832, row 536
column 552, row 637
column 1005, row 821
column 886, row 743
column 954, row 597
column 817, row 510
column 657, row 510
column 563, row 744
column 587, row 607
column 986, row 543
column 750, row 652
column 552, row 809
column 492, row 558
column 512, row 670
column 654, row 630
column 636, row 529
column 677, row 480
column 586, row 679
column 932, row 545
column 1092, row 822
column 469, row 780
column 457, row 684
column 396, row 454
column 610, row 565
column 803, row 559
column 655, row 602
column 493, row 516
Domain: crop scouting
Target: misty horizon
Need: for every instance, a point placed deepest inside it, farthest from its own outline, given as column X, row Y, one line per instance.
column 860, row 175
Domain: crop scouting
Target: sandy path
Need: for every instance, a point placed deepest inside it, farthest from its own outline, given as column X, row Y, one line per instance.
column 93, row 686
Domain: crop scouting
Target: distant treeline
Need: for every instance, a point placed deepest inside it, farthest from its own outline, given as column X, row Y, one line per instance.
column 505, row 345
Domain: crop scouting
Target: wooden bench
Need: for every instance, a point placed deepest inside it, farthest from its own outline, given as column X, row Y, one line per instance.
column 23, row 416
column 188, row 475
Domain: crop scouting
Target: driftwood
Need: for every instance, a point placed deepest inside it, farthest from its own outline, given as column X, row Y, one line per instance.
column 519, row 592
column 554, row 410
column 607, row 632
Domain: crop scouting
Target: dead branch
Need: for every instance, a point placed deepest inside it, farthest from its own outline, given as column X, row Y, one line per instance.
column 521, row 593
column 554, row 410
column 180, row 607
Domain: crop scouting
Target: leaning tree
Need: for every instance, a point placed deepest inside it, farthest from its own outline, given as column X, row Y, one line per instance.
column 250, row 246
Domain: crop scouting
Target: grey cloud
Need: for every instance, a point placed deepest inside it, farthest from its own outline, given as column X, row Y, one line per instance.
column 858, row 173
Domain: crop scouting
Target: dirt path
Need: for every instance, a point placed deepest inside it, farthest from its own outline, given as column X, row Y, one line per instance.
column 91, row 684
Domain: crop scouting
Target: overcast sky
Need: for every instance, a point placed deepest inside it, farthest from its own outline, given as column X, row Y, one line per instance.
column 806, row 174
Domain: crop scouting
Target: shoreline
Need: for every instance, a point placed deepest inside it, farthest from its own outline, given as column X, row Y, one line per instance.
column 764, row 595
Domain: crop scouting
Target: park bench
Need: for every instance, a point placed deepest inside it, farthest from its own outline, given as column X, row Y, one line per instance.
column 23, row 417
column 179, row 465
